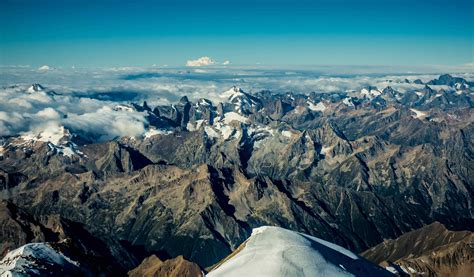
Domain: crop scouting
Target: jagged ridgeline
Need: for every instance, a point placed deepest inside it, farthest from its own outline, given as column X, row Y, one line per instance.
column 352, row 168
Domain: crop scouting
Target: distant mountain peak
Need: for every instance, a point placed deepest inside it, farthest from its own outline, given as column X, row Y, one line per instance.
column 35, row 88
column 232, row 92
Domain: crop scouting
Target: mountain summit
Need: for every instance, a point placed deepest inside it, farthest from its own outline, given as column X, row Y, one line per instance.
column 274, row 251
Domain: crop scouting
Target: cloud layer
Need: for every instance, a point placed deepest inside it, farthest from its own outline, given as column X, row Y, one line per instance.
column 24, row 113
column 84, row 99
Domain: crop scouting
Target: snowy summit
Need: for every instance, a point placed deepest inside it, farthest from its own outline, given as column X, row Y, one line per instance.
column 274, row 251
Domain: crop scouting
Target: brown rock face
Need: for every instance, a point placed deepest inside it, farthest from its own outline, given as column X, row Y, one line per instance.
column 153, row 266
column 18, row 228
column 430, row 251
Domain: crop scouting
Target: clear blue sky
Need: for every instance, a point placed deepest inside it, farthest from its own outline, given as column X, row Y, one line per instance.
column 269, row 32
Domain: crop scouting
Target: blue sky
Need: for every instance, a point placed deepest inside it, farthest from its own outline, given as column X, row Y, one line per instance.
column 140, row 33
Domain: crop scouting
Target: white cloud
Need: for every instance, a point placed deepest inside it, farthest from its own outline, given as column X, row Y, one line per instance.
column 31, row 113
column 202, row 61
column 106, row 123
column 226, row 62
column 48, row 113
column 44, row 68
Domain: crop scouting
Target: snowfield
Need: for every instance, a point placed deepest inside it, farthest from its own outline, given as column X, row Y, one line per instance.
column 274, row 251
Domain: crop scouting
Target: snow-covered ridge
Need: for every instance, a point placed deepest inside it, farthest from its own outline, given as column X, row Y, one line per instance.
column 370, row 92
column 30, row 258
column 274, row 251
column 57, row 137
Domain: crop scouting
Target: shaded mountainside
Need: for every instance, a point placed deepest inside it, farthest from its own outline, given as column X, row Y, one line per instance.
column 353, row 168
column 429, row 251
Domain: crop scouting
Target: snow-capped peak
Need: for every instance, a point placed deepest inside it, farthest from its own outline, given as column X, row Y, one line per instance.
column 274, row 251
column 30, row 258
column 124, row 108
column 232, row 93
column 203, row 102
column 316, row 107
column 52, row 133
column 35, row 88
column 370, row 92
column 461, row 86
column 243, row 102
column 57, row 137
column 348, row 102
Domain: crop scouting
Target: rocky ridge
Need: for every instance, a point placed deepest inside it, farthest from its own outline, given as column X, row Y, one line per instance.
column 429, row 251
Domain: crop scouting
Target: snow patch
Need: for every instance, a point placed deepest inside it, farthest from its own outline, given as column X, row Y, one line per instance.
column 372, row 93
column 34, row 88
column 259, row 134
column 391, row 269
column 211, row 132
column 194, row 126
column 124, row 108
column 52, row 133
column 348, row 102
column 226, row 131
column 318, row 107
column 418, row 114
column 57, row 137
column 287, row 134
column 325, row 150
column 153, row 132
column 233, row 116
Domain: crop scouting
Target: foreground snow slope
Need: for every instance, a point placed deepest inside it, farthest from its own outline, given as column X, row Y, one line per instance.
column 36, row 259
column 274, row 251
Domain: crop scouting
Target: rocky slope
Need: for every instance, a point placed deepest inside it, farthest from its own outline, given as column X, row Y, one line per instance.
column 176, row 267
column 429, row 251
column 354, row 168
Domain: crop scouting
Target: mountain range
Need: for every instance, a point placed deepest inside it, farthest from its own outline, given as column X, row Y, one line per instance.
column 353, row 168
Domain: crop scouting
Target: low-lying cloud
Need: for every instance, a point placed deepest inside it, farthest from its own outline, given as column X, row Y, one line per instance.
column 28, row 113
column 84, row 99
